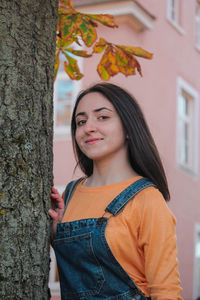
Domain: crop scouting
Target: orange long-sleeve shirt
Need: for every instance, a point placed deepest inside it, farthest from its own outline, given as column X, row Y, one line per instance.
column 142, row 237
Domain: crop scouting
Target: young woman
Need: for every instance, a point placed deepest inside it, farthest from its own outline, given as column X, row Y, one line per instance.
column 114, row 236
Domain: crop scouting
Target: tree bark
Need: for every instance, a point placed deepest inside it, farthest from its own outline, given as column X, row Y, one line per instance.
column 27, row 51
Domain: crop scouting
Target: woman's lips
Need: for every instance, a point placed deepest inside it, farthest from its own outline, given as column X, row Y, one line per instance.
column 93, row 141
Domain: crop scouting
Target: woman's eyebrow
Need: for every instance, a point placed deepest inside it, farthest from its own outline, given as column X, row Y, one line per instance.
column 82, row 113
column 101, row 108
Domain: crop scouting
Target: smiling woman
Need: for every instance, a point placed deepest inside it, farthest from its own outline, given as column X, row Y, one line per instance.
column 114, row 234
column 99, row 134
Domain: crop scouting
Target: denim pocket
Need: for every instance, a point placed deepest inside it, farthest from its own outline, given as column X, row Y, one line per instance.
column 80, row 273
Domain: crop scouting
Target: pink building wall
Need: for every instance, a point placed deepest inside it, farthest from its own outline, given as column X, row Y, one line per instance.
column 175, row 56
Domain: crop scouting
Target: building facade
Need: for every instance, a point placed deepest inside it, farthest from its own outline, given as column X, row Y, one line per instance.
column 169, row 94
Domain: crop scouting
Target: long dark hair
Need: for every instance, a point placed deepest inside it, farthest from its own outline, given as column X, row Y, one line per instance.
column 142, row 152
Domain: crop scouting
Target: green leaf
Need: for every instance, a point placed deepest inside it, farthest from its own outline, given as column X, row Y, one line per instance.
column 105, row 19
column 88, row 32
column 81, row 53
column 71, row 67
column 68, row 25
column 136, row 51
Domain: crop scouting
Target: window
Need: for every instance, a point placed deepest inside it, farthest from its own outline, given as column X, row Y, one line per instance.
column 187, row 120
column 197, row 29
column 197, row 262
column 174, row 14
column 173, row 11
column 65, row 92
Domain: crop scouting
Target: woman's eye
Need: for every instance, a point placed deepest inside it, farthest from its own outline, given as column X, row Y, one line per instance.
column 81, row 122
column 103, row 117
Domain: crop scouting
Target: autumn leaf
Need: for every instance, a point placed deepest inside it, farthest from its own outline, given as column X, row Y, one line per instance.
column 88, row 32
column 71, row 67
column 116, row 60
column 127, row 63
column 108, row 64
column 76, row 27
column 68, row 25
column 81, row 53
column 65, row 6
column 99, row 46
column 102, row 72
column 105, row 19
column 136, row 51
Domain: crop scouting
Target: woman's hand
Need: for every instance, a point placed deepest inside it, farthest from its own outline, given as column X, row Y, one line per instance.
column 56, row 213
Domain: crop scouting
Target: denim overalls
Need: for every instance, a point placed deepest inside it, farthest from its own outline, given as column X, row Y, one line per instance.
column 87, row 268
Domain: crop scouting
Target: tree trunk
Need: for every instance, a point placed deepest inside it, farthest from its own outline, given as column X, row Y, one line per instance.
column 27, row 50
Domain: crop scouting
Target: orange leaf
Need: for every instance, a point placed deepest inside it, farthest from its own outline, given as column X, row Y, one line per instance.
column 68, row 25
column 136, row 51
column 127, row 63
column 108, row 62
column 105, row 19
column 71, row 67
column 102, row 72
column 66, row 3
column 81, row 53
column 99, row 46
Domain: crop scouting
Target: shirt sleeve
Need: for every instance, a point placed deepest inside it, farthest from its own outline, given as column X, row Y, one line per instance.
column 157, row 240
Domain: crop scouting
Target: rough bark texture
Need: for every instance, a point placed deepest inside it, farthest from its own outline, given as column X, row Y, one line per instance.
column 27, row 50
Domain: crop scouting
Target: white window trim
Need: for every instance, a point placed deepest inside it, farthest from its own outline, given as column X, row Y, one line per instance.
column 176, row 25
column 125, row 7
column 183, row 85
column 197, row 40
column 64, row 131
column 196, row 239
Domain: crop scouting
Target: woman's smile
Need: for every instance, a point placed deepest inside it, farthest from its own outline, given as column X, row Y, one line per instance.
column 92, row 141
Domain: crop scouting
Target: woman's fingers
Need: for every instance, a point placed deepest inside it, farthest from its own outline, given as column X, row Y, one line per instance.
column 54, row 190
column 53, row 214
column 59, row 200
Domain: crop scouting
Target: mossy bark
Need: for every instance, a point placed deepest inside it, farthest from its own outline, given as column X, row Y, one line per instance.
column 27, row 50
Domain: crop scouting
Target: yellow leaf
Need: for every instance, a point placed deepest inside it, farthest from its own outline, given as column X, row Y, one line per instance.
column 81, row 53
column 66, row 3
column 71, row 68
column 108, row 61
column 99, row 46
column 105, row 19
column 102, row 72
column 136, row 51
column 127, row 63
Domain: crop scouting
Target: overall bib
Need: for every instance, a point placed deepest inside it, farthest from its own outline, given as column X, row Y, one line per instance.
column 87, row 268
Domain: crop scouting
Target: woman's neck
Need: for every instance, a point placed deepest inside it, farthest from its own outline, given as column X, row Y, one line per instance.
column 107, row 173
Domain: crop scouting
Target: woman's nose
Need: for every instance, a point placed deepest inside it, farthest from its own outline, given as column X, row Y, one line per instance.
column 90, row 125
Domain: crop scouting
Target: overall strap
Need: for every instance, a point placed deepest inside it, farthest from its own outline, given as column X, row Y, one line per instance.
column 70, row 188
column 126, row 195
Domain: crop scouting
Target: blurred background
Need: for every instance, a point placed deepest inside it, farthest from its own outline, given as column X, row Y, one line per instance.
column 168, row 93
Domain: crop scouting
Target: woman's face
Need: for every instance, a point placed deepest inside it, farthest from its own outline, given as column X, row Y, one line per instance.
column 99, row 131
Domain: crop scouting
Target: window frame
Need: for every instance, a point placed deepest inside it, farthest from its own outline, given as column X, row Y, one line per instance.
column 63, row 132
column 192, row 168
column 176, row 23
column 197, row 26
